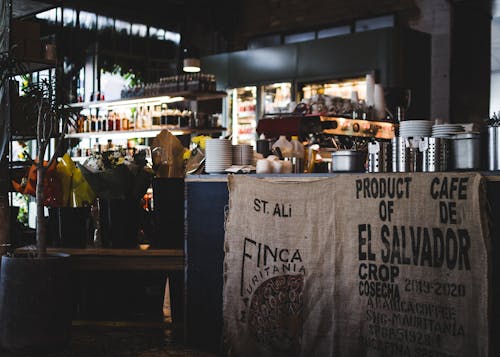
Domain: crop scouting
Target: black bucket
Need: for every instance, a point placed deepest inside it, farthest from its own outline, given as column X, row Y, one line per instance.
column 35, row 303
column 120, row 220
column 70, row 227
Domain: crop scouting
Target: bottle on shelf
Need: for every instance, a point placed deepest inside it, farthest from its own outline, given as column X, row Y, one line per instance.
column 110, row 122
column 156, row 115
column 297, row 155
column 139, row 118
column 117, row 122
column 125, row 123
column 147, row 119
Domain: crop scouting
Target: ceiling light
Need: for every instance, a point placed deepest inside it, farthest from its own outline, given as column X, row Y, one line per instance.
column 191, row 64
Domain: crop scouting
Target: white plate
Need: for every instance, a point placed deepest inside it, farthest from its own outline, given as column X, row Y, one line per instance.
column 412, row 123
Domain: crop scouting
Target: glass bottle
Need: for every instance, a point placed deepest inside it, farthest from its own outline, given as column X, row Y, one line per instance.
column 125, row 123
column 118, row 122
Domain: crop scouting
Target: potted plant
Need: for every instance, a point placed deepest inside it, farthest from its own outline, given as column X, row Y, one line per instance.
column 35, row 288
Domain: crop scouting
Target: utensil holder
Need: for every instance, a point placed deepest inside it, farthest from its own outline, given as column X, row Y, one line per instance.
column 378, row 156
column 493, row 148
column 435, row 154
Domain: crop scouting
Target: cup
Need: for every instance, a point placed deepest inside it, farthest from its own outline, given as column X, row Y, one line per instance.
column 263, row 166
column 287, row 167
column 277, row 166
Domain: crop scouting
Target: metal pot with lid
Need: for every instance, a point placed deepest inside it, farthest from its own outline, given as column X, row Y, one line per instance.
column 466, row 151
column 348, row 161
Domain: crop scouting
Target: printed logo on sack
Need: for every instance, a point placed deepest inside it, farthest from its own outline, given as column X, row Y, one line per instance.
column 275, row 314
column 272, row 283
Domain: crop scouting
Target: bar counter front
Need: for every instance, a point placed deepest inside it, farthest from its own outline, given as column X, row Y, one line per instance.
column 395, row 264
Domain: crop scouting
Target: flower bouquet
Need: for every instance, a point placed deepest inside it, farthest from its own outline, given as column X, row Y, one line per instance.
column 115, row 174
column 120, row 181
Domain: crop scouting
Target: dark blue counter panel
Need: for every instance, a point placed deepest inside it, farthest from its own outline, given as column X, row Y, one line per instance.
column 206, row 204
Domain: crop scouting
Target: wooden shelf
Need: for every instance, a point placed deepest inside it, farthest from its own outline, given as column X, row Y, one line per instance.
column 114, row 259
column 166, row 98
column 143, row 133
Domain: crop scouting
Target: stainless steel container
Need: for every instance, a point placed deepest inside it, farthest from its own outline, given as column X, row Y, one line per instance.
column 348, row 161
column 435, row 154
column 379, row 156
column 413, row 158
column 466, row 153
column 399, row 161
column 297, row 165
column 493, row 148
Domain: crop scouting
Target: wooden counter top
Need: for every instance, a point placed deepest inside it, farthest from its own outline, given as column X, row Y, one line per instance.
column 112, row 259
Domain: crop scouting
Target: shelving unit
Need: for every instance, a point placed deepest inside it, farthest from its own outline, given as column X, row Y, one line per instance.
column 166, row 98
column 143, row 133
column 91, row 139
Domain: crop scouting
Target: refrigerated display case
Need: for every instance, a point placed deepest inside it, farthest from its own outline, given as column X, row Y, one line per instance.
column 243, row 105
column 276, row 98
column 338, row 88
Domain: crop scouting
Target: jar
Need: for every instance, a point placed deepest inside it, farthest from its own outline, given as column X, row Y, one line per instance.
column 466, row 153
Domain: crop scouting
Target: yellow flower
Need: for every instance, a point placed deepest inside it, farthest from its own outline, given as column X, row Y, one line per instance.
column 200, row 140
column 187, row 154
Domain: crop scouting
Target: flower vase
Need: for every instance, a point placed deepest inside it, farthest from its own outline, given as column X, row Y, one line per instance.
column 119, row 221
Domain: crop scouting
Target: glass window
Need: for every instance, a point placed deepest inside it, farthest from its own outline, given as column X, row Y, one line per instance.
column 264, row 41
column 375, row 23
column 495, row 62
column 173, row 36
column 334, row 31
column 139, row 30
column 153, row 31
column 104, row 22
column 69, row 17
column 299, row 37
column 59, row 15
column 49, row 15
column 122, row 27
column 160, row 34
column 87, row 20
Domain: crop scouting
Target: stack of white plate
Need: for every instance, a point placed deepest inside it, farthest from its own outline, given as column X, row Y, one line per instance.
column 413, row 128
column 242, row 154
column 446, row 130
column 218, row 155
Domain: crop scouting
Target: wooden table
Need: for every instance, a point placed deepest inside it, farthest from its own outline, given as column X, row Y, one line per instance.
column 89, row 259
column 87, row 262
column 110, row 259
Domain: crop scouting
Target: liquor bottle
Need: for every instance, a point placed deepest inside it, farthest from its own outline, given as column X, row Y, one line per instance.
column 138, row 118
column 147, row 120
column 156, row 115
column 86, row 124
column 118, row 122
column 93, row 124
column 125, row 123
column 163, row 114
column 110, row 122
